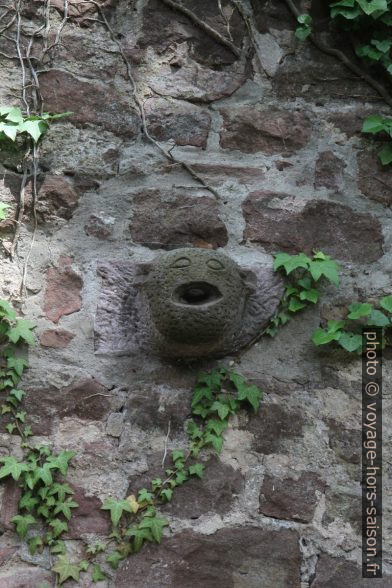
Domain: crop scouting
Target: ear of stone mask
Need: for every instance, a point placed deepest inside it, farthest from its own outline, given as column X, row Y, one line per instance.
column 249, row 280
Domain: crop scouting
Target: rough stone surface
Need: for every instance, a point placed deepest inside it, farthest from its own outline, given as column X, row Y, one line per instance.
column 183, row 123
column 95, row 103
column 228, row 558
column 9, row 504
column 56, row 338
column 374, row 180
column 162, row 219
column 270, row 131
column 328, row 171
column 291, row 499
column 62, row 295
column 276, row 132
column 329, row 226
column 187, row 303
column 337, row 573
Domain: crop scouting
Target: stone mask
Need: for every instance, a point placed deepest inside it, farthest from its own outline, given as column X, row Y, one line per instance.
column 196, row 295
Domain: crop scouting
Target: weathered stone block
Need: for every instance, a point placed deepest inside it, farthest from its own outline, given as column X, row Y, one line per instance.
column 270, row 131
column 329, row 171
column 168, row 219
column 374, row 179
column 273, row 426
column 333, row 227
column 56, row 338
column 231, row 557
column 63, row 288
column 291, row 499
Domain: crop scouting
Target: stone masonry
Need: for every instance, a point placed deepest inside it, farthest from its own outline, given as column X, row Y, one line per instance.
column 276, row 133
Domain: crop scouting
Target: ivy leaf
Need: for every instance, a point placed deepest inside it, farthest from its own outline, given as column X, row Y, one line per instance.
column 311, row 295
column 385, row 154
column 65, row 569
column 61, row 461
column 251, row 394
column 116, row 508
column 28, row 502
column 134, row 503
column 181, row 477
column 193, row 430
column 199, row 393
column 373, row 6
column 222, row 409
column 358, row 309
column 65, row 508
column 12, row 467
column 58, row 548
column 386, row 303
column 155, row 525
column 17, row 363
column 3, row 208
column 216, row 426
column 139, row 535
column 22, row 523
column 196, row 470
column 113, row 559
column 61, row 490
column 7, row 310
column 58, row 527
column 35, row 543
column 18, row 394
column 14, row 115
column 22, row 331
column 21, row 415
column 295, row 305
column 145, row 496
column 325, row 267
column 177, row 455
column 291, row 262
column 34, row 128
column 167, row 494
column 212, row 380
column 10, row 428
column 97, row 574
column 350, row 341
column 378, row 319
column 214, row 440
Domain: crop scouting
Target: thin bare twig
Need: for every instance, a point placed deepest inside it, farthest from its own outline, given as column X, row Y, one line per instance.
column 167, row 154
column 344, row 59
column 21, row 205
column 166, row 442
column 204, row 26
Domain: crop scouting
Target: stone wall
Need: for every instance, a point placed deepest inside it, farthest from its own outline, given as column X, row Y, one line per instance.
column 277, row 134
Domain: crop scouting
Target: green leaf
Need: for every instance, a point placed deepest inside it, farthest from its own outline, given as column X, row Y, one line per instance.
column 97, row 574
column 10, row 428
column 214, row 440
column 386, row 303
column 12, row 467
column 116, row 508
column 28, row 502
column 193, row 430
column 291, row 262
column 22, row 331
column 155, row 525
column 83, row 565
column 199, row 393
column 18, row 394
column 196, row 470
column 17, row 363
column 327, row 268
column 323, row 336
column 295, row 305
column 212, row 379
column 58, row 548
column 156, row 483
column 216, row 426
column 22, row 523
column 311, row 295
column 21, row 415
column 140, row 535
column 350, row 341
column 222, row 409
column 114, row 558
column 358, row 309
column 35, row 543
column 385, row 154
column 378, row 319
column 14, row 115
column 303, row 33
column 34, row 128
column 177, row 454
column 61, row 490
column 66, row 570
column 251, row 394
column 7, row 310
column 369, row 7
column 373, row 124
column 65, row 508
column 61, row 461
column 58, row 527
column 3, row 208
column 145, row 496
column 167, row 494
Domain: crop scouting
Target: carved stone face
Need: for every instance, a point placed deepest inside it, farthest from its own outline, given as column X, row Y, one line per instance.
column 195, row 295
